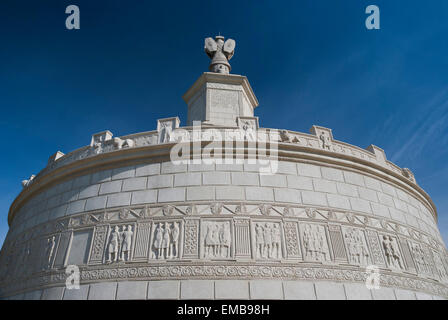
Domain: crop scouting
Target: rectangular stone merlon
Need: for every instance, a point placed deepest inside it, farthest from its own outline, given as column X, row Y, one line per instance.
column 54, row 157
column 165, row 127
column 378, row 152
column 324, row 136
column 101, row 137
column 219, row 99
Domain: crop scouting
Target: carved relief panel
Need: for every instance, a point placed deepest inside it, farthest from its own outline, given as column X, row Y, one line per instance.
column 315, row 242
column 267, row 240
column 242, row 238
column 391, row 249
column 98, row 244
column 191, row 239
column 422, row 264
column 142, row 241
column 120, row 242
column 439, row 266
column 166, row 240
column 292, row 246
column 357, row 248
column 216, row 239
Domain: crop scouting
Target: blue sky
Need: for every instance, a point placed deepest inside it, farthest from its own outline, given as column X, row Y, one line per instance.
column 309, row 62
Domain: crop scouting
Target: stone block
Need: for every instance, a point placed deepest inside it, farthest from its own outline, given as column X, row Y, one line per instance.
column 169, row 167
column 101, row 176
column 423, row 296
column 380, row 210
column 385, row 199
column 287, row 195
column 245, row 179
column 373, row 184
column 33, row 295
column 132, row 290
column 321, row 185
column 229, row 167
column 77, row 294
column 81, row 181
column 162, row 181
column 314, row 198
column 88, row 192
column 388, row 189
column 357, row 291
column 404, row 294
column 229, row 193
column 360, row 205
column 308, row 170
column 285, row 167
column 200, row 193
column 332, row 174
column 259, row 193
column 266, row 289
column 298, row 182
column 103, row 291
column 384, row 293
column 197, row 289
column 171, row 194
column 367, row 194
column 337, row 201
column 54, row 293
column 110, row 187
column 329, row 290
column 134, row 184
column 76, row 207
column 232, row 289
column 273, row 181
column 166, row 289
column 299, row 290
column 145, row 196
column 200, row 167
column 123, row 173
column 187, row 179
column 96, row 203
column 119, row 199
column 69, row 196
column 216, row 178
column 354, row 178
column 147, row 169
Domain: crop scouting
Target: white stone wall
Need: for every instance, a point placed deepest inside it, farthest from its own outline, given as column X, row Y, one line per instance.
column 297, row 183
column 224, row 289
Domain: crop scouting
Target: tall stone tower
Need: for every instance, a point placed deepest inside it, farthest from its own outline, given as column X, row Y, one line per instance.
column 222, row 208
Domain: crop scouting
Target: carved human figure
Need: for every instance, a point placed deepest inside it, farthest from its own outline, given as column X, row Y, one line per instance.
column 158, row 240
column 259, row 240
column 248, row 131
column 174, row 246
column 324, row 141
column 166, row 241
column 276, row 242
column 51, row 243
column 224, row 240
column 267, row 235
column 392, row 252
column 127, row 243
column 114, row 245
column 212, row 244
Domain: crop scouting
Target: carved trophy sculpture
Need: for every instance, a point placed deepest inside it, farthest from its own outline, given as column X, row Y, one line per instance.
column 220, row 52
column 26, row 183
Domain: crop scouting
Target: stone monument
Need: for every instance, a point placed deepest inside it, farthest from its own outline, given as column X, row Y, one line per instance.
column 323, row 220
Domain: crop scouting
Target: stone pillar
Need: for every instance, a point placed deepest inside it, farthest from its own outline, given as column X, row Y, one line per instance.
column 218, row 99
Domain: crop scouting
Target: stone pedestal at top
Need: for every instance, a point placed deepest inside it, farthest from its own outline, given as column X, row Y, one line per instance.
column 218, row 99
